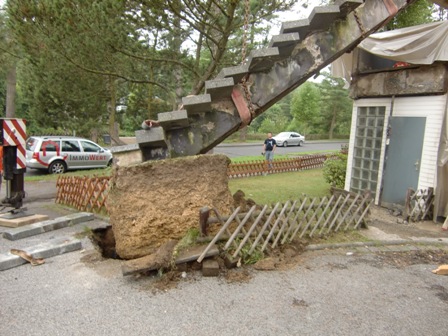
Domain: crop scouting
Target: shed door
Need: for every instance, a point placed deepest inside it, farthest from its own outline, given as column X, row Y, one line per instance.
column 403, row 158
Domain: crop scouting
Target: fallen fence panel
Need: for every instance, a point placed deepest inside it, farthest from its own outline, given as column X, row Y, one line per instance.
column 281, row 224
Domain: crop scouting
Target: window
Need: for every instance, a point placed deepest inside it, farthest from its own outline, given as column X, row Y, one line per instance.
column 70, row 146
column 367, row 149
column 90, row 147
column 50, row 146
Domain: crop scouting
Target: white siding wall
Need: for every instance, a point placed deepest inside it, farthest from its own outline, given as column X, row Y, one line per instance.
column 431, row 107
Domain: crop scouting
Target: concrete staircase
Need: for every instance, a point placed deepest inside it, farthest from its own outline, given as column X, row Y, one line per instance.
column 302, row 49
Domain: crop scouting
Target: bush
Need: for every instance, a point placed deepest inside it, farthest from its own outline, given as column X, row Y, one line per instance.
column 334, row 170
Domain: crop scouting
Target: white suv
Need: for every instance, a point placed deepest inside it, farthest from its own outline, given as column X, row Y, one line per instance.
column 57, row 154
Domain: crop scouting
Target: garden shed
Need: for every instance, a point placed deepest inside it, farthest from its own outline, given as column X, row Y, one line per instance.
column 398, row 80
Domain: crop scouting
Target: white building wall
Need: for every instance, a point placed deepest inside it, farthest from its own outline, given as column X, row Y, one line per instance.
column 431, row 107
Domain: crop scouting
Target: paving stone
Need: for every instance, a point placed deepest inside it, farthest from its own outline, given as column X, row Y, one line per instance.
column 21, row 221
column 375, row 249
column 48, row 225
column 46, row 250
column 399, row 248
column 173, row 120
column 362, row 249
column 210, row 268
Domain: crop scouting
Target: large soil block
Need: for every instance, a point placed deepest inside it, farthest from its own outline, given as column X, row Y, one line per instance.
column 156, row 201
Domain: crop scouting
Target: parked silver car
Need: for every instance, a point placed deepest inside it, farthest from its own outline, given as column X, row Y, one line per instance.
column 289, row 139
column 57, row 154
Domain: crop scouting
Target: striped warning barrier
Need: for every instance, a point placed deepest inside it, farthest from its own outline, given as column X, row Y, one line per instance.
column 14, row 134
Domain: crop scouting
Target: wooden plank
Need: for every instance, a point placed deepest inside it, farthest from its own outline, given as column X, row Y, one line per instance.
column 152, row 262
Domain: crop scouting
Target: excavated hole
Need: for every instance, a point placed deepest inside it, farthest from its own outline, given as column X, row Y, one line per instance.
column 103, row 238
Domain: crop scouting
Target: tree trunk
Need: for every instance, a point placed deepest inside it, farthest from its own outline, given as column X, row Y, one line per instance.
column 111, row 109
column 11, row 93
column 332, row 124
column 243, row 134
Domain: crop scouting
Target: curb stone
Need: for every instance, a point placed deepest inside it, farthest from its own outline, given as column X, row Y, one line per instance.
column 46, row 250
column 377, row 244
column 48, row 225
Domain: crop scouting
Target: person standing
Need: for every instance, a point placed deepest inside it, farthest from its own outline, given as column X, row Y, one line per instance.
column 268, row 149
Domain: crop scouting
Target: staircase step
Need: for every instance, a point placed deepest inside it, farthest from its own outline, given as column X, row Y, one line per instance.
column 197, row 104
column 285, row 43
column 302, row 27
column 346, row 7
column 154, row 137
column 236, row 72
column 263, row 59
column 321, row 18
column 173, row 119
column 219, row 88
column 127, row 155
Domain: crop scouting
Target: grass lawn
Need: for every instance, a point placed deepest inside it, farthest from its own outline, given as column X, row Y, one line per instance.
column 262, row 189
column 281, row 187
column 81, row 173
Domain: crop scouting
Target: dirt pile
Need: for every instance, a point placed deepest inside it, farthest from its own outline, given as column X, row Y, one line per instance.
column 155, row 201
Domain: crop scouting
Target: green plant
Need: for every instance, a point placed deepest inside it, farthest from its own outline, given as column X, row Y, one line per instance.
column 334, row 170
column 249, row 259
column 188, row 240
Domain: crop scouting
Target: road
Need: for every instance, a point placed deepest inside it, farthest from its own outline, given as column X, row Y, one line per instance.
column 237, row 150
column 248, row 149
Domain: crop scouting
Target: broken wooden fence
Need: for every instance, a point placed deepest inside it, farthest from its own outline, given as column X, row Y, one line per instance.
column 83, row 193
column 259, row 167
column 419, row 204
column 284, row 222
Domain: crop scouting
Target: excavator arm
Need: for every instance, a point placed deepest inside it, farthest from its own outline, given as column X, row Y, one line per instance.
column 241, row 93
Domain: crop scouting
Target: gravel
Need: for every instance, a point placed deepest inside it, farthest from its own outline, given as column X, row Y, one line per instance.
column 329, row 293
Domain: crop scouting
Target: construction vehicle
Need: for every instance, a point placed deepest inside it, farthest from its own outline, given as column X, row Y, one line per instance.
column 240, row 93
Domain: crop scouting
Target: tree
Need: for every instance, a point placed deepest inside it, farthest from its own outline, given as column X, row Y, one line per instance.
column 274, row 121
column 8, row 59
column 111, row 44
column 336, row 105
column 305, row 108
column 419, row 12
